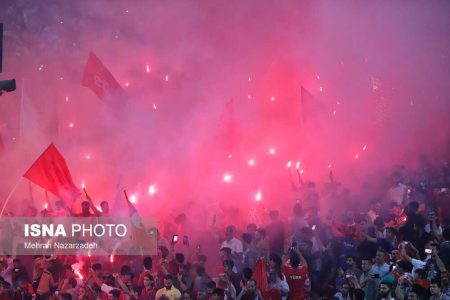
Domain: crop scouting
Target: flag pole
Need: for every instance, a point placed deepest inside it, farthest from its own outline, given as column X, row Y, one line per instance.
column 9, row 196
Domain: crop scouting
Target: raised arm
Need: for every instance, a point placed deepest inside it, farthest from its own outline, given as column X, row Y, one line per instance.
column 93, row 207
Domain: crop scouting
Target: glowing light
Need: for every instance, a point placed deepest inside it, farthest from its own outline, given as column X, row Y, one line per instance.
column 318, row 77
column 99, row 208
column 227, row 177
column 249, row 97
column 258, row 196
column 78, row 274
column 133, row 198
column 251, row 162
column 46, row 205
column 83, row 185
column 302, row 171
column 289, row 164
column 230, row 156
column 297, row 166
column 154, row 106
column 321, row 89
column 111, row 258
column 147, row 67
column 127, row 84
column 167, row 77
column 88, row 156
column 329, row 166
column 337, row 102
column 61, row 78
column 41, row 67
column 71, row 125
column 356, row 156
column 364, row 147
column 334, row 112
column 127, row 11
column 249, row 78
column 67, row 98
column 272, row 99
column 152, row 189
column 272, row 151
column 76, row 269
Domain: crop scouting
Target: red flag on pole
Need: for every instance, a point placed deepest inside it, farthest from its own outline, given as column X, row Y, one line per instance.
column 99, row 79
column 50, row 172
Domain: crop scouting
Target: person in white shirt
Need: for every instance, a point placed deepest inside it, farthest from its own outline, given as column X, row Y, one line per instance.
column 231, row 242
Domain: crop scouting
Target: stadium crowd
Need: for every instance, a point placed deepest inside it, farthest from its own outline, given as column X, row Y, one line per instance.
column 398, row 247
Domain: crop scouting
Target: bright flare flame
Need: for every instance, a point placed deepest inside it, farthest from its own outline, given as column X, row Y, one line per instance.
column 249, row 97
column 321, row 89
column 364, row 147
column 71, row 125
column 152, row 189
column 356, row 156
column 227, row 177
column 272, row 151
column 272, row 99
column 251, row 162
column 88, row 156
column 230, row 156
column 297, row 166
column 167, row 77
column 289, row 164
column 83, row 185
column 147, row 67
column 127, row 84
column 67, row 98
column 154, row 106
column 41, row 67
column 133, row 198
column 111, row 258
column 46, row 205
column 78, row 274
column 258, row 196
column 302, row 171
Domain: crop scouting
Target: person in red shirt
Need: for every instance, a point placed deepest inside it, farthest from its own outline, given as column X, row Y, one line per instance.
column 148, row 292
column 296, row 272
column 148, row 264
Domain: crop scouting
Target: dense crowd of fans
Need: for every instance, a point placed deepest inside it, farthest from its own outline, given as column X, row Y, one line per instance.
column 398, row 248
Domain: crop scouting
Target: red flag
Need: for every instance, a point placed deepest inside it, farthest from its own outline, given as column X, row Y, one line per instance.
column 260, row 275
column 50, row 172
column 98, row 78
